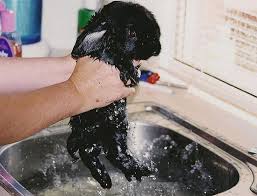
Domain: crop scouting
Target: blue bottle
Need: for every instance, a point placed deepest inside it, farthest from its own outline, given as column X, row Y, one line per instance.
column 28, row 18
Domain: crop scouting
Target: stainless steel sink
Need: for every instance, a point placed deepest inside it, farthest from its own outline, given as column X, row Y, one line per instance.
column 183, row 163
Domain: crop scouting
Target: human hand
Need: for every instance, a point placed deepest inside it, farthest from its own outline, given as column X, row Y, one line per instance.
column 97, row 84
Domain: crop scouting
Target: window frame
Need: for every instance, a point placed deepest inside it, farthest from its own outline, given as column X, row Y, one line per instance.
column 213, row 85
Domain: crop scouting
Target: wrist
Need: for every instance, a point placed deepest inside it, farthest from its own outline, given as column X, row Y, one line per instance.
column 70, row 61
column 68, row 65
column 78, row 99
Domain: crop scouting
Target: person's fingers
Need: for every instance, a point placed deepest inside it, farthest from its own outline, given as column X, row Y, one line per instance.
column 128, row 91
column 128, row 82
column 115, row 71
column 125, row 93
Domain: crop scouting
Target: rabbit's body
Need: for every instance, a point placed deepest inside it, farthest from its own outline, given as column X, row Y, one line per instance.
column 117, row 38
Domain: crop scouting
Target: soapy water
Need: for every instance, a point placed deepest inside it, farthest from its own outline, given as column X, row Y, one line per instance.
column 179, row 164
column 87, row 186
column 176, row 171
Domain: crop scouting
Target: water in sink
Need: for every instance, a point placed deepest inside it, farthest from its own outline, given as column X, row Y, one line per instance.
column 154, row 154
column 89, row 187
column 181, row 166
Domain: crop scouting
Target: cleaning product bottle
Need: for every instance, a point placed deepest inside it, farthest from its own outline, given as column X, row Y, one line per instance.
column 2, row 6
column 28, row 19
column 86, row 13
column 10, row 41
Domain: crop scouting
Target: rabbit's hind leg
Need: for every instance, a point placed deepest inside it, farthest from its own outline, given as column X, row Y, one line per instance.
column 89, row 155
column 73, row 144
column 117, row 153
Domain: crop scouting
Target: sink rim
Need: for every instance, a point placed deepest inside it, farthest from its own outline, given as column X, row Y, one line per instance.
column 11, row 182
column 14, row 187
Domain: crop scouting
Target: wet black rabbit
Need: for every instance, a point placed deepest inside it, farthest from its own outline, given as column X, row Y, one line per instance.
column 118, row 34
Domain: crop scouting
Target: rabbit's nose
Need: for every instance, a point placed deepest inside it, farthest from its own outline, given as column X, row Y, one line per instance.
column 157, row 50
column 155, row 53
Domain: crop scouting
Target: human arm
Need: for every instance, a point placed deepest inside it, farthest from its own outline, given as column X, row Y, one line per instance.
column 27, row 74
column 89, row 87
column 22, row 115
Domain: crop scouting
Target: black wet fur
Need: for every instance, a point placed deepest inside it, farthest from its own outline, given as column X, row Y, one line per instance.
column 118, row 34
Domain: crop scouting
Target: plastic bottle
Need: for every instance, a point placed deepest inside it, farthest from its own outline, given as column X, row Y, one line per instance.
column 2, row 6
column 86, row 13
column 10, row 41
column 28, row 19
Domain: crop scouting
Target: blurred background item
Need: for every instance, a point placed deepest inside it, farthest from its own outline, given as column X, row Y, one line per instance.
column 28, row 17
column 89, row 8
column 29, row 25
column 10, row 42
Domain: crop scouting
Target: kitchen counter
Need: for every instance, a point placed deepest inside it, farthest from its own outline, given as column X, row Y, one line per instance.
column 218, row 121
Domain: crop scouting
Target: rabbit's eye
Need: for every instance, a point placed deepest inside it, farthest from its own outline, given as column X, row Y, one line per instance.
column 132, row 34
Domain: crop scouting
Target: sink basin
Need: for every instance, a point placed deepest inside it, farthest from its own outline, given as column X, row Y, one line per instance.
column 182, row 162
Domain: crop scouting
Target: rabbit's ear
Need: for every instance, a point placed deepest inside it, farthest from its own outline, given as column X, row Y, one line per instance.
column 87, row 43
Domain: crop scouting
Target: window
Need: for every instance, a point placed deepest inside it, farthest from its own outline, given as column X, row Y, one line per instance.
column 219, row 38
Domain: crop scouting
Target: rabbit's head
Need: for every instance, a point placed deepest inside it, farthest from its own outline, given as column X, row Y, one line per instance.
column 134, row 28
column 119, row 33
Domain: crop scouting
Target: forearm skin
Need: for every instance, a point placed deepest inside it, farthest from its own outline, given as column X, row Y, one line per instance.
column 25, row 114
column 27, row 74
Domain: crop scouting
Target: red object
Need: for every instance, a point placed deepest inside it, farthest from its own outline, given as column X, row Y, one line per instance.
column 153, row 78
